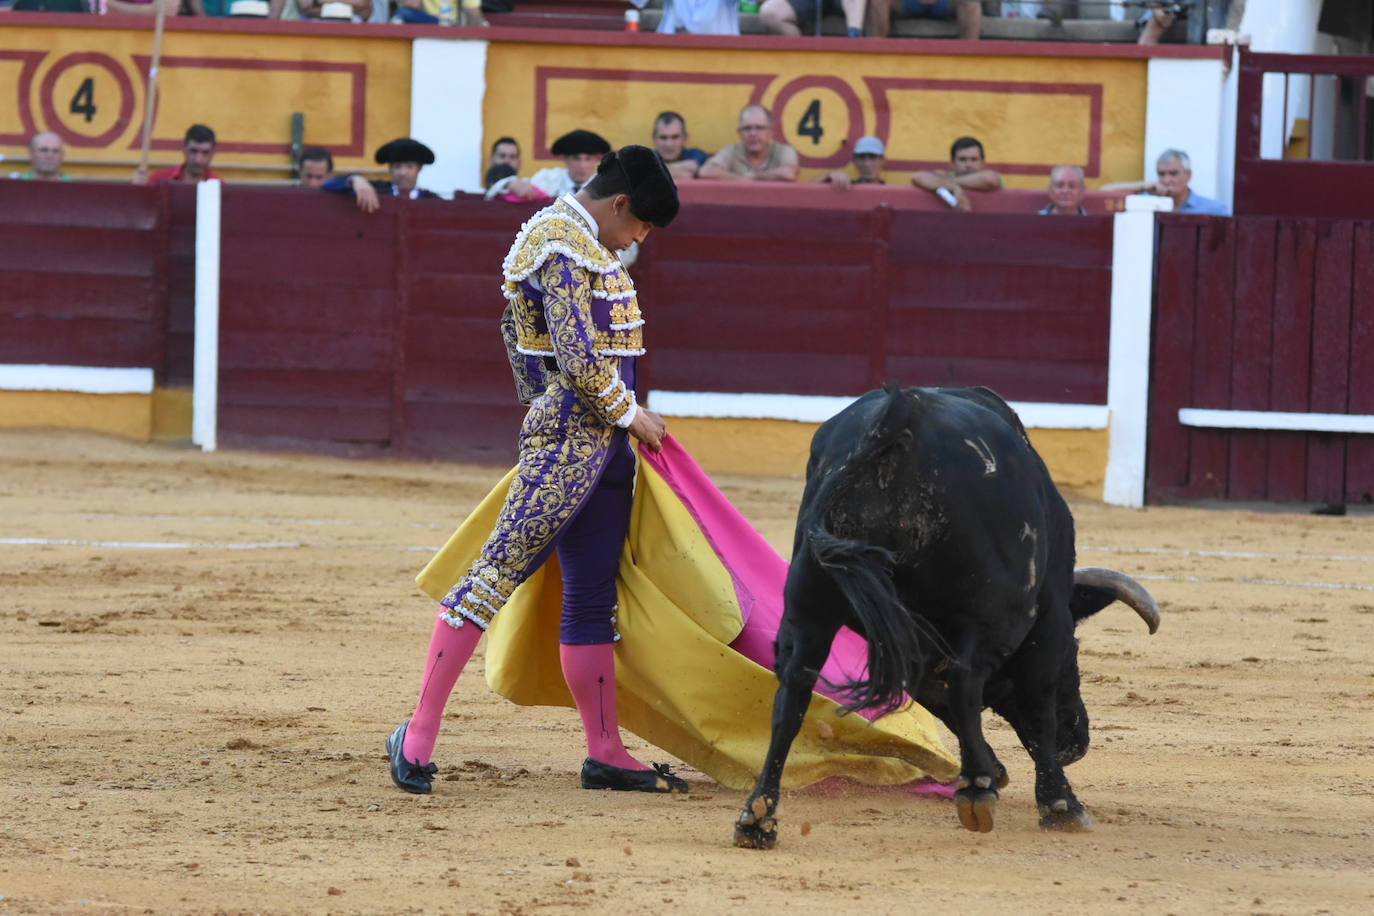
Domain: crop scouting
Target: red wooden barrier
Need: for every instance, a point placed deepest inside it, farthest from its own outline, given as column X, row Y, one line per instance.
column 83, row 272
column 1270, row 315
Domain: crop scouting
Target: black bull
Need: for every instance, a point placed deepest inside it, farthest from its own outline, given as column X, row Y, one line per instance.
column 930, row 526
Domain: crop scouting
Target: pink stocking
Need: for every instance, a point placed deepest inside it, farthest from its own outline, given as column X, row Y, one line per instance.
column 590, row 673
column 449, row 650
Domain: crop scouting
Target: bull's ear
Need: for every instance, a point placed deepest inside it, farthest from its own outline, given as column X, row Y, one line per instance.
column 1087, row 600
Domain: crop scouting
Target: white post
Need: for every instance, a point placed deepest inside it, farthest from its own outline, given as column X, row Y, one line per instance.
column 205, row 395
column 1128, row 354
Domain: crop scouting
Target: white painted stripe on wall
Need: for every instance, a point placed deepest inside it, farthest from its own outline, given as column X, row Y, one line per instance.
column 205, row 396
column 448, row 83
column 83, row 379
column 819, row 408
column 1276, row 419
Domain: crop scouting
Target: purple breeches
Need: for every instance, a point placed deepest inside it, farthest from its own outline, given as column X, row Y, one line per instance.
column 589, row 552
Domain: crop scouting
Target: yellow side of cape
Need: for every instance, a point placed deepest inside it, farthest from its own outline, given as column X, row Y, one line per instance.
column 679, row 684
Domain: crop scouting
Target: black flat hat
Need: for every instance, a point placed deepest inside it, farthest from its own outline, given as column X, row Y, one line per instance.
column 580, row 141
column 404, row 149
column 653, row 193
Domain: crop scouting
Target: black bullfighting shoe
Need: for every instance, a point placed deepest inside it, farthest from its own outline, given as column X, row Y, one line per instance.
column 407, row 774
column 598, row 775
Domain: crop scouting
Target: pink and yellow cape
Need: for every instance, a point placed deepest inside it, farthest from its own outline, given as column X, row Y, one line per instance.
column 700, row 600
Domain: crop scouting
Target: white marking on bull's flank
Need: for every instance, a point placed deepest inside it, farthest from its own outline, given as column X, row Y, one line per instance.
column 149, row 545
column 1028, row 532
column 982, row 451
column 1237, row 554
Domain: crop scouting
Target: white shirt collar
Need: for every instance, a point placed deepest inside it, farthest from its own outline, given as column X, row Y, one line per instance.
column 582, row 211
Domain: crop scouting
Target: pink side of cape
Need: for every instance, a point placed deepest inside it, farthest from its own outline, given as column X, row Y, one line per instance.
column 758, row 572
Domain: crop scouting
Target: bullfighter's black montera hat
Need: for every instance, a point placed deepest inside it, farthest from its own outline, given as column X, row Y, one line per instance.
column 580, row 141
column 404, row 149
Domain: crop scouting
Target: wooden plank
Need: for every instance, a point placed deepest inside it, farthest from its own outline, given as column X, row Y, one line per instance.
column 292, row 214
column 1011, row 336
column 1059, row 382
column 357, row 351
column 330, row 262
column 479, row 434
column 252, row 304
column 687, row 369
column 1252, row 354
column 313, row 388
column 77, row 295
column 83, row 205
column 1334, row 269
column 1208, row 457
column 306, row 424
column 1172, row 354
column 76, row 250
column 1294, row 254
column 1008, row 287
column 1359, row 453
column 78, row 342
column 1029, row 240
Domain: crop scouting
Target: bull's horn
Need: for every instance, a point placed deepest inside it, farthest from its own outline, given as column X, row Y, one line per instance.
column 1128, row 591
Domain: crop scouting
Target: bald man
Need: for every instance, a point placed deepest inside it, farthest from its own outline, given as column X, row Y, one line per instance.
column 45, row 156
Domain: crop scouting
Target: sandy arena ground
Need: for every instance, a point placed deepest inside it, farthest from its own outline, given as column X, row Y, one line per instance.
column 200, row 656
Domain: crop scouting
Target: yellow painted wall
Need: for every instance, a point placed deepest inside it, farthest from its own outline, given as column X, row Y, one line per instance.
column 243, row 85
column 1034, row 111
column 163, row 415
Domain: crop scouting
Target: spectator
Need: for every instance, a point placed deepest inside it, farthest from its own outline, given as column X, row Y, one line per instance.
column 317, row 165
column 1067, row 188
column 878, row 19
column 260, row 9
column 786, row 17
column 142, row 7
column 968, row 173
column 1155, row 22
column 757, row 157
column 670, row 139
column 1175, row 170
column 332, row 10
column 869, row 156
column 500, row 174
column 698, row 17
column 505, row 151
column 197, row 149
column 440, row 12
column 581, row 151
column 49, row 6
column 45, row 159
column 405, row 158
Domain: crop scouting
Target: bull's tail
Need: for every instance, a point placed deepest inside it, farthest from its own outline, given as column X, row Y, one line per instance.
column 863, row 573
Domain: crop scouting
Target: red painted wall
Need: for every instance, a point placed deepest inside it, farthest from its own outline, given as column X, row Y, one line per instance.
column 83, row 274
column 1262, row 314
column 345, row 330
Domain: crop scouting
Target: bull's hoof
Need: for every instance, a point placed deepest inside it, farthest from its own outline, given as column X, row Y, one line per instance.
column 756, row 833
column 1059, row 816
column 976, row 808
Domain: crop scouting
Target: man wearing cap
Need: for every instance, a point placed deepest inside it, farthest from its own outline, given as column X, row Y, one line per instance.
column 581, row 151
column 573, row 332
column 405, row 158
column 868, row 162
column 757, row 157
